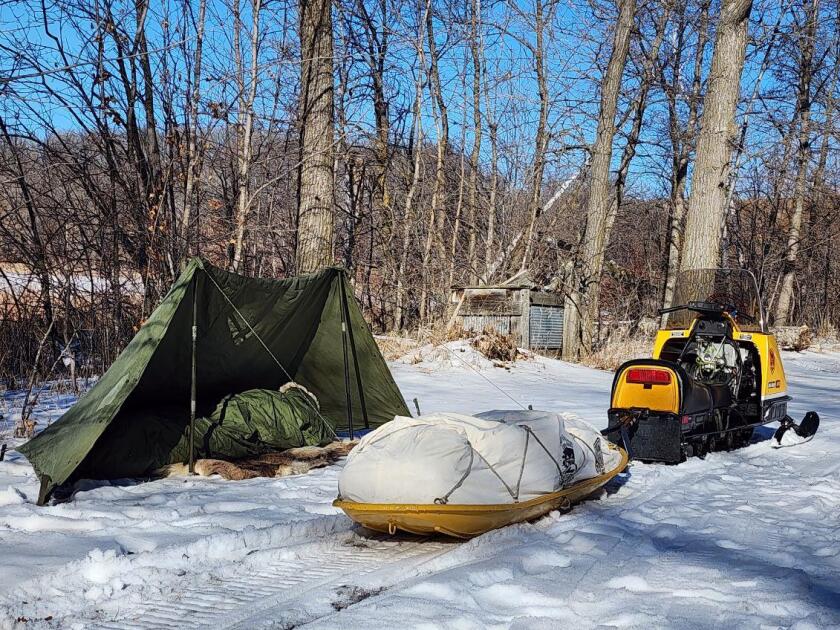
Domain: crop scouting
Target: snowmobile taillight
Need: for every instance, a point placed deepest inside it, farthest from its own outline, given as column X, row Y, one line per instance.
column 648, row 376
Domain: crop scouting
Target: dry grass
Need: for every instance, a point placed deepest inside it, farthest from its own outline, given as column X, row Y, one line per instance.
column 618, row 349
column 826, row 338
column 397, row 344
column 496, row 346
column 796, row 338
column 492, row 344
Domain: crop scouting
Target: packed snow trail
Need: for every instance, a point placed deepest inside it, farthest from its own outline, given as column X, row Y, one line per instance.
column 740, row 539
column 287, row 585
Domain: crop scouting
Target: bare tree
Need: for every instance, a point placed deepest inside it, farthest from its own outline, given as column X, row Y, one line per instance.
column 422, row 143
column 582, row 303
column 195, row 150
column 706, row 206
column 542, row 17
column 437, row 210
column 475, row 154
column 682, row 136
column 316, row 120
column 807, row 43
column 247, row 89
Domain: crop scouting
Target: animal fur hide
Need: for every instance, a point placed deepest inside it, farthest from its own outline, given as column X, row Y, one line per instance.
column 294, row 461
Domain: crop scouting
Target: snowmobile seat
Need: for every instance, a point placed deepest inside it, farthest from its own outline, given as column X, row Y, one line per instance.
column 696, row 398
column 721, row 395
column 701, row 398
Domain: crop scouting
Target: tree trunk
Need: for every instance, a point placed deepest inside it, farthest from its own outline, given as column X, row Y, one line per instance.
column 408, row 213
column 380, row 108
column 315, row 172
column 682, row 142
column 582, row 306
column 819, row 180
column 376, row 52
column 707, row 204
column 436, row 211
column 493, row 134
column 637, row 113
column 472, row 199
column 803, row 107
column 541, row 138
column 193, row 101
column 246, row 126
column 459, row 205
column 490, row 238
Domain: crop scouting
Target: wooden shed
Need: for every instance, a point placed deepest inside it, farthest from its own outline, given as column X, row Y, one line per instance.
column 516, row 307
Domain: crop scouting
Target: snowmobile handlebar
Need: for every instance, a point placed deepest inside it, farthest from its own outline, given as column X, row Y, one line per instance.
column 698, row 307
column 708, row 308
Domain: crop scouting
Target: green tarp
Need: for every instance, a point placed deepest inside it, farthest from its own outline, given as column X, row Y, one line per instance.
column 251, row 333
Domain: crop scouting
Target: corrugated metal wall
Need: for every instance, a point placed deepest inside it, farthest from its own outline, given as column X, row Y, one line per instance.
column 503, row 310
column 546, row 327
column 501, row 323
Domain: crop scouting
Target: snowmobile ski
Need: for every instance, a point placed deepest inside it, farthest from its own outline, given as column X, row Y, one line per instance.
column 805, row 429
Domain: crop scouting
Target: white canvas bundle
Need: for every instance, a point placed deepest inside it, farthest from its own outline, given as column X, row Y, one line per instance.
column 495, row 457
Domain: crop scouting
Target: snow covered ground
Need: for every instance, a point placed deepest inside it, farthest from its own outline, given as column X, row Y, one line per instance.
column 746, row 539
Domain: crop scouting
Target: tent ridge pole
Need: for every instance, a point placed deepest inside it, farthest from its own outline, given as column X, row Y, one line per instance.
column 193, row 378
column 356, row 367
column 345, row 326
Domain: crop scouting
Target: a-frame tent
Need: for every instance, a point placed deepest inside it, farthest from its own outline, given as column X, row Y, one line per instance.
column 216, row 333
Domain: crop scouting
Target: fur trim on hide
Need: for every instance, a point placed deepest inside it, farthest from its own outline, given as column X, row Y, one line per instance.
column 294, row 461
column 292, row 385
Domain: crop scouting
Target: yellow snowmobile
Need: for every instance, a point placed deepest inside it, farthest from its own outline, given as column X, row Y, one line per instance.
column 715, row 375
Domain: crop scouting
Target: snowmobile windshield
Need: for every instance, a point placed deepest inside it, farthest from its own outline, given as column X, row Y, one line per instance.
column 734, row 289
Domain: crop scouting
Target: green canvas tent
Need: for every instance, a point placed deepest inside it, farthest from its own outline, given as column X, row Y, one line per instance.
column 249, row 333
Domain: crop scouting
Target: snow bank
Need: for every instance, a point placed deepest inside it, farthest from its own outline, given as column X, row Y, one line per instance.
column 454, row 356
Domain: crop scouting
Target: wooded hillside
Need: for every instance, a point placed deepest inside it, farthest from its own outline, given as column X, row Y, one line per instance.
column 419, row 143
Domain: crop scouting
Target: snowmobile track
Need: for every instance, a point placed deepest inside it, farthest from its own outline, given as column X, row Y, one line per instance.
column 293, row 584
column 290, row 588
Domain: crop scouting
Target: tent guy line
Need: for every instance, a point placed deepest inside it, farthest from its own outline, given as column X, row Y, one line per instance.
column 309, row 401
column 502, row 391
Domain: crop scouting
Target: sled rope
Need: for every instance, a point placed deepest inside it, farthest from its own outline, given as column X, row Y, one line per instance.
column 473, row 451
column 445, row 498
column 565, row 477
column 529, row 431
column 524, row 457
column 270, row 353
column 515, row 497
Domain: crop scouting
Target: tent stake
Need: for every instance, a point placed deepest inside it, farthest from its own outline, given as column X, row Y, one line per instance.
column 344, row 342
column 193, row 379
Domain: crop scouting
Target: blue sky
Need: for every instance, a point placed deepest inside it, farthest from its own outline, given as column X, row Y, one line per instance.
column 577, row 45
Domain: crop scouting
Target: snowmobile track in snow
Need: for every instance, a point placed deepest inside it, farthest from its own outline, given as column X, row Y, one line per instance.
column 292, row 585
column 295, row 585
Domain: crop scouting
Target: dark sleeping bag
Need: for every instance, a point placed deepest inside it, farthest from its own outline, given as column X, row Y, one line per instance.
column 242, row 425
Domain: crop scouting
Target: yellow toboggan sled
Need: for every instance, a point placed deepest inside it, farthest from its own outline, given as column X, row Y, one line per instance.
column 465, row 521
